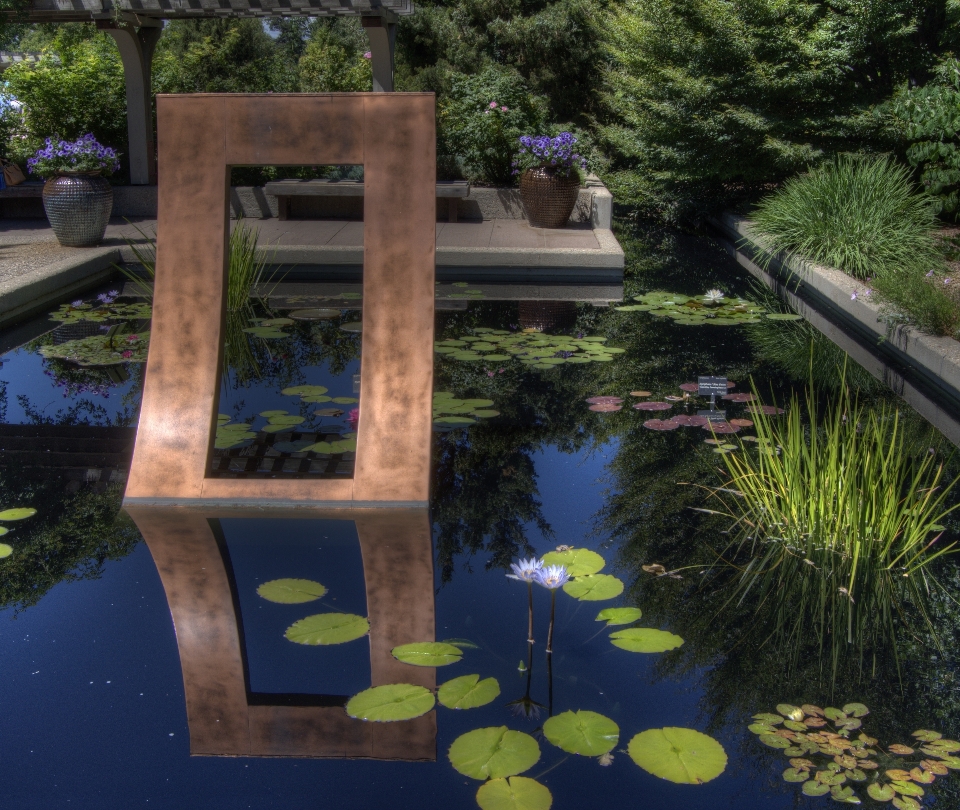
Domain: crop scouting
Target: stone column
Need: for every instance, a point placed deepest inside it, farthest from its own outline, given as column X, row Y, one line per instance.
column 136, row 42
column 382, row 33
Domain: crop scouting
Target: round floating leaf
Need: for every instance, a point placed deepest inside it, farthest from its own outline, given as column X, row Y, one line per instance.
column 17, row 514
column 813, row 788
column 906, row 803
column 579, row 562
column 492, row 753
column 775, row 741
column 927, row 735
column 793, row 775
column 614, row 616
column 478, row 403
column 856, row 709
column 585, row 733
column 485, row 414
column 291, row 591
column 270, row 414
column 468, row 692
column 328, row 628
column 346, row 400
column 772, row 719
column 427, row 654
column 681, row 755
column 761, row 728
column 308, row 390
column 454, row 420
column 352, row 326
column 390, row 703
column 902, row 750
column 648, row 640
column 5, row 550
column 3, row 530
column 594, row 588
column 318, row 314
column 286, row 420
column 790, row 712
column 515, row 793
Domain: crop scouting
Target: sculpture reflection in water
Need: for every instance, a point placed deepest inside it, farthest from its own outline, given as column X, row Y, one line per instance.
column 225, row 718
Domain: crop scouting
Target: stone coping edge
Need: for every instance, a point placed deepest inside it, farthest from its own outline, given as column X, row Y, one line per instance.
column 936, row 357
column 43, row 287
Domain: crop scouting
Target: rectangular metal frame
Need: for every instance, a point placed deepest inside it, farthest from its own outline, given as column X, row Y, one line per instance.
column 200, row 137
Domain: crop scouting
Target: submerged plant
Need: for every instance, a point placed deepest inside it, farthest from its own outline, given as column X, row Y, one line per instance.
column 825, row 758
column 837, row 530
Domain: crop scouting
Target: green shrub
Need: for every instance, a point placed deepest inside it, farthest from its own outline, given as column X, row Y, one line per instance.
column 329, row 65
column 860, row 215
column 82, row 93
column 921, row 300
column 930, row 118
column 482, row 120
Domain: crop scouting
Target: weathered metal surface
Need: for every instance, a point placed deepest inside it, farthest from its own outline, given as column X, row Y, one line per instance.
column 398, row 577
column 200, row 136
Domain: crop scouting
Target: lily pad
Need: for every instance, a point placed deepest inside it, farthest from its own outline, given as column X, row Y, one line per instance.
column 305, row 390
column 515, row 793
column 291, row 591
column 614, row 616
column 427, row 654
column 583, row 732
column 352, row 326
column 646, row 640
column 316, row 314
column 390, row 703
column 594, row 587
column 17, row 514
column 579, row 562
column 5, row 550
column 328, row 628
column 681, row 755
column 493, row 753
column 814, row 788
column 468, row 692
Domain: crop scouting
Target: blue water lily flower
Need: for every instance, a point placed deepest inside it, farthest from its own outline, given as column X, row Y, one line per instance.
column 526, row 570
column 553, row 576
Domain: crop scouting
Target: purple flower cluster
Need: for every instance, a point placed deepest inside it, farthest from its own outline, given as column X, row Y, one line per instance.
column 85, row 154
column 557, row 153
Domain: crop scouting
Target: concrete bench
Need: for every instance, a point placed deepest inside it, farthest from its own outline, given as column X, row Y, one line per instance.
column 29, row 189
column 283, row 190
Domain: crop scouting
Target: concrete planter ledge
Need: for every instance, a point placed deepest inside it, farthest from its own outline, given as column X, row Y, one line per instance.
column 935, row 358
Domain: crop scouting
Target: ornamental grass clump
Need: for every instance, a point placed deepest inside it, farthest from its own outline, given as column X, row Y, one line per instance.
column 861, row 215
column 84, row 155
column 837, row 523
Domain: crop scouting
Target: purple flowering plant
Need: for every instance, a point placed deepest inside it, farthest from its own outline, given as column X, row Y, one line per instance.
column 556, row 153
column 85, row 154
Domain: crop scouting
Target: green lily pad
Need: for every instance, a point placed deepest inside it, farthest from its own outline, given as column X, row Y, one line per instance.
column 772, row 719
column 277, row 428
column 814, row 788
column 390, row 703
column 594, row 588
column 291, row 591
column 856, row 709
column 454, row 420
column 468, row 692
column 288, row 419
column 308, row 390
column 345, row 400
column 485, row 414
column 585, row 733
column 880, row 793
column 265, row 332
column 907, row 788
column 492, row 753
column 844, row 795
column 681, row 755
column 352, row 326
column 614, row 616
column 271, row 414
column 515, row 793
column 17, row 514
column 646, row 640
column 579, row 562
column 427, row 654
column 793, row 775
column 775, row 741
column 328, row 628
column 5, row 550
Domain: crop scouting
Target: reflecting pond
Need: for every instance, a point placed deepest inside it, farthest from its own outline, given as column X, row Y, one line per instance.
column 350, row 659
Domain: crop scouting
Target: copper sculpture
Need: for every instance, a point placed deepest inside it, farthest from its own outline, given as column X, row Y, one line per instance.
column 199, row 138
column 398, row 577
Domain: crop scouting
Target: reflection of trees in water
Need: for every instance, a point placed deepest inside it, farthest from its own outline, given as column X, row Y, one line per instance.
column 70, row 538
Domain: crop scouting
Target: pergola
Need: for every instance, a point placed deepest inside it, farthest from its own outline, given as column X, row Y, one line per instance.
column 136, row 26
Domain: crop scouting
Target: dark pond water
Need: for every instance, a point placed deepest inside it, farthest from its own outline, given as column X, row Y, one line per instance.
column 96, row 710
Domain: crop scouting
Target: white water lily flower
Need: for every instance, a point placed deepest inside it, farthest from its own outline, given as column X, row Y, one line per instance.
column 713, row 295
column 526, row 570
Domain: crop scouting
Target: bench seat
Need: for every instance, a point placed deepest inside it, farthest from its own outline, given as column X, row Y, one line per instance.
column 283, row 190
column 29, row 189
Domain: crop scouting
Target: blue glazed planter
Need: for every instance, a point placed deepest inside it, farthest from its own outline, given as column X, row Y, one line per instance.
column 78, row 207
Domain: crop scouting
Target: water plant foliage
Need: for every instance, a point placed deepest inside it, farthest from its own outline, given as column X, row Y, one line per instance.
column 328, row 628
column 645, row 640
column 468, row 692
column 492, row 753
column 530, row 347
column 427, row 653
column 391, row 703
column 582, row 732
column 681, row 755
column 826, row 758
column 836, row 530
column 514, row 793
column 291, row 591
column 697, row 310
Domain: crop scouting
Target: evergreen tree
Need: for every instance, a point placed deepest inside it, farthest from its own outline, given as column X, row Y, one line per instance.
column 710, row 98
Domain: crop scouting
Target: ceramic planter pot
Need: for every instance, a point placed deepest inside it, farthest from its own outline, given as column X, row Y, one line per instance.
column 78, row 206
column 548, row 197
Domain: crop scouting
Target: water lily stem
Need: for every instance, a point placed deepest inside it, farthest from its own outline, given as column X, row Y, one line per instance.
column 529, row 613
column 553, row 611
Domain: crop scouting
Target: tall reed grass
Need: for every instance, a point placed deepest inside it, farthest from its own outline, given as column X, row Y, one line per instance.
column 246, row 278
column 836, row 526
column 859, row 214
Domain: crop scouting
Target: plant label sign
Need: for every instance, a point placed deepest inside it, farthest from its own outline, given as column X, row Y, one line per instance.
column 714, row 416
column 712, row 386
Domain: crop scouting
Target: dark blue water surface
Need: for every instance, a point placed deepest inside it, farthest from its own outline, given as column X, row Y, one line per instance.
column 94, row 707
